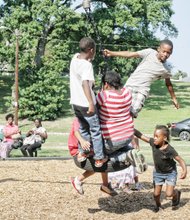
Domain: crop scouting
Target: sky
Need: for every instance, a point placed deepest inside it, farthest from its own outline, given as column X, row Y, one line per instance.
column 180, row 57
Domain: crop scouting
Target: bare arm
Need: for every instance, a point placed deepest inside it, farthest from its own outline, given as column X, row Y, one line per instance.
column 183, row 166
column 126, row 54
column 43, row 135
column 142, row 136
column 84, row 144
column 87, row 92
column 171, row 91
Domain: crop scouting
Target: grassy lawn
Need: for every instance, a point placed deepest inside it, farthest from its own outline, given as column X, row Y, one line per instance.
column 158, row 109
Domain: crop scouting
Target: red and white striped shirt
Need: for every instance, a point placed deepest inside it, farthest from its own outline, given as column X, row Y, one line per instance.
column 115, row 118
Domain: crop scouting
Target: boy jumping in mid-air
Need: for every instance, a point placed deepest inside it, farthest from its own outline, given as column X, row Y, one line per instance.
column 152, row 67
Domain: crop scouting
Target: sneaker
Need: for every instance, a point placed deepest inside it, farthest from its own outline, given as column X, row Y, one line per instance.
column 142, row 158
column 176, row 201
column 136, row 160
column 158, row 208
column 127, row 190
column 138, row 187
column 99, row 163
column 108, row 189
column 81, row 157
column 77, row 185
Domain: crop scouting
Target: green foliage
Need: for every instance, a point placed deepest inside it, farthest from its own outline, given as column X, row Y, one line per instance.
column 49, row 32
column 45, row 97
column 180, row 74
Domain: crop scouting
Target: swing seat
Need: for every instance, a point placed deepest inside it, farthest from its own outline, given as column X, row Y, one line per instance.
column 109, row 166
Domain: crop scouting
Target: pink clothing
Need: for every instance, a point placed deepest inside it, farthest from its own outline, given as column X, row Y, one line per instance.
column 6, row 145
column 8, row 131
column 115, row 118
column 5, row 149
column 72, row 140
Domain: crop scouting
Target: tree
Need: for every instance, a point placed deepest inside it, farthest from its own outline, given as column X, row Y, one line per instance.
column 180, row 74
column 131, row 25
column 50, row 31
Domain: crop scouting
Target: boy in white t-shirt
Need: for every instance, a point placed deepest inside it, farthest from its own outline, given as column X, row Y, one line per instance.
column 83, row 99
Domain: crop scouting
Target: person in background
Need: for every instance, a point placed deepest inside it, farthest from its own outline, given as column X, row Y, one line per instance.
column 10, row 131
column 165, row 170
column 121, row 180
column 34, row 139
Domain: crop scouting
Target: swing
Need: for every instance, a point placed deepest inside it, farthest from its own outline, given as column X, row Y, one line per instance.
column 109, row 166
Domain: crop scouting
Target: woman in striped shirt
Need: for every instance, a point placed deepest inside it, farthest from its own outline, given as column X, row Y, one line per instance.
column 114, row 111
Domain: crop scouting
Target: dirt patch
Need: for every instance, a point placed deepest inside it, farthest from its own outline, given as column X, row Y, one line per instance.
column 42, row 190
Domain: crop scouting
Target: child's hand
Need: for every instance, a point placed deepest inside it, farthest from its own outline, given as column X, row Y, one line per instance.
column 183, row 175
column 91, row 109
column 85, row 145
column 106, row 53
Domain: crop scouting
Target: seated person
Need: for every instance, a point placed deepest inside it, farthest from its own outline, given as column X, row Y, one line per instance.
column 116, row 122
column 34, row 139
column 9, row 131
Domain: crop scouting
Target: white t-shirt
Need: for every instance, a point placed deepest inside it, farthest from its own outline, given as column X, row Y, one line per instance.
column 42, row 130
column 149, row 70
column 80, row 70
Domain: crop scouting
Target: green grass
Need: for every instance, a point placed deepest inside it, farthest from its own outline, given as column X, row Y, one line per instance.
column 158, row 109
column 45, row 152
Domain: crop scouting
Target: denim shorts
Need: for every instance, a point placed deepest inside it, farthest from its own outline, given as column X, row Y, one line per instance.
column 168, row 178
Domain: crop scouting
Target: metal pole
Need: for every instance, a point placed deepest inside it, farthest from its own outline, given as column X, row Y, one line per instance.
column 86, row 6
column 16, row 77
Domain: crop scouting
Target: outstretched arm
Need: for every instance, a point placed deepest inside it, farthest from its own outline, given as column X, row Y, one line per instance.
column 126, row 54
column 171, row 91
column 183, row 166
column 142, row 136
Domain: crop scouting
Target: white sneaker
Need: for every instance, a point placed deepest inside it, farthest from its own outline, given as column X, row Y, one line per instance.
column 136, row 160
column 77, row 185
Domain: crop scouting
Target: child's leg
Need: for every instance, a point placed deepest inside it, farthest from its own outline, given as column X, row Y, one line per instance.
column 157, row 194
column 77, row 181
column 158, row 181
column 105, row 179
column 85, row 175
column 170, row 188
column 106, row 187
column 96, row 136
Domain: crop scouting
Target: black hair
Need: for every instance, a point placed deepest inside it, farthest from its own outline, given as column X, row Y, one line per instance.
column 9, row 116
column 112, row 78
column 38, row 119
column 87, row 43
column 167, row 42
column 165, row 131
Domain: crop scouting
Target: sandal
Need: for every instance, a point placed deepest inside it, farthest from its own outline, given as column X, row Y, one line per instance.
column 108, row 190
column 81, row 157
column 99, row 163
